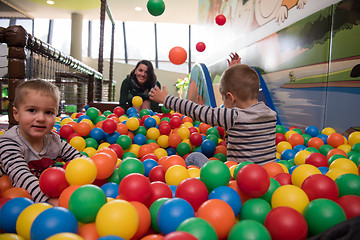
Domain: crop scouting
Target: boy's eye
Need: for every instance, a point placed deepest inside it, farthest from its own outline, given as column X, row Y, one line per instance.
column 31, row 110
column 50, row 113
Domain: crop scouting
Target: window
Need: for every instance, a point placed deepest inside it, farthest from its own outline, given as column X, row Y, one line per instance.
column 41, row 28
column 62, row 35
column 27, row 24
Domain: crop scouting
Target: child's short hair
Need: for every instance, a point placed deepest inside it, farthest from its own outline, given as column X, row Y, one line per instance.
column 241, row 80
column 39, row 85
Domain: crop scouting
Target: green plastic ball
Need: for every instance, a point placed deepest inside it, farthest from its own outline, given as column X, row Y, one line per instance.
column 128, row 155
column 355, row 157
column 165, row 110
column 93, row 113
column 155, row 7
column 287, row 164
column 306, row 137
column 141, row 130
column 356, row 147
column 280, row 129
column 144, row 112
column 249, row 229
column 334, row 157
column 348, row 184
column 99, row 119
column 273, row 186
column 222, row 157
column 255, row 209
column 199, row 228
column 165, row 119
column 91, row 142
column 312, row 149
column 130, row 165
column 215, row 174
column 124, row 141
column 324, row 149
column 212, row 130
column 114, row 177
column 213, row 138
column 107, row 113
column 154, row 209
column 183, row 148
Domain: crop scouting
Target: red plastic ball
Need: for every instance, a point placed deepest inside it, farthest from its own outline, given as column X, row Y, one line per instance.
column 283, row 178
column 175, row 122
column 134, row 187
column 320, row 186
column 119, row 111
column 157, row 173
column 66, row 130
column 253, row 180
column 177, row 55
column 192, row 190
column 196, row 139
column 149, row 156
column 220, row 19
column 52, row 181
column 164, row 128
column 109, row 125
column 317, row 160
column 158, row 190
column 179, row 235
column 279, row 137
column 350, row 204
column 117, row 149
column 200, row 46
column 286, row 223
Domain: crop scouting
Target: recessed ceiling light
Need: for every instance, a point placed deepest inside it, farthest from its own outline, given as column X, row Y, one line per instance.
column 138, row 9
column 50, row 2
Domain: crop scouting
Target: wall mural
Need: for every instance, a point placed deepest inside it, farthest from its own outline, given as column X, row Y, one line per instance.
column 311, row 67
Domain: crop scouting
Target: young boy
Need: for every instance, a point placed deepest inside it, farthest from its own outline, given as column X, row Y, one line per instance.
column 29, row 148
column 250, row 125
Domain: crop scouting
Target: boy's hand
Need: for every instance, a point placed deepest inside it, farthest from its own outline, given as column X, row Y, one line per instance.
column 234, row 59
column 53, row 201
column 158, row 95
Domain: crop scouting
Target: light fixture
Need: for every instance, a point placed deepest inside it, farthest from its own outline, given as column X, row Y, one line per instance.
column 138, row 9
column 50, row 2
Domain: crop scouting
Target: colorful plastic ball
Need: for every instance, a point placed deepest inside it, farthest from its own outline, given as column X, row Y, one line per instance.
column 192, row 190
column 119, row 111
column 176, row 174
column 215, row 174
column 154, row 209
column 179, row 235
column 158, row 190
column 349, row 184
column 249, row 229
column 317, row 160
column 110, row 189
column 290, row 196
column 139, row 139
column 114, row 214
column 345, row 164
column 78, row 143
column 200, row 46
column 117, row 149
column 286, row 223
column 52, row 221
column 183, row 148
column 350, row 204
column 157, row 174
column 144, row 219
column 228, row 195
column 255, row 209
column 283, row 146
column 124, row 141
column 80, row 171
column 150, row 122
column 302, row 172
column 134, row 187
column 322, row 214
column 199, row 228
column 320, row 186
column 208, row 147
column 280, row 129
column 315, row 142
column 155, row 7
column 130, row 165
column 164, row 128
column 195, row 139
column 137, row 101
column 15, row 192
column 132, row 123
column 288, row 154
column 66, row 194
column 83, row 128
column 65, row 236
column 148, row 165
column 324, row 149
column 312, row 131
column 109, row 125
column 279, row 137
column 354, row 138
column 66, row 130
column 86, row 201
column 177, row 55
column 335, row 140
column 220, row 19
column 323, row 137
column 52, row 181
column 327, row 131
column 10, row 212
column 283, row 178
column 219, row 214
column 274, row 184
column 98, row 134
column 253, row 180
column 172, row 213
column 93, row 113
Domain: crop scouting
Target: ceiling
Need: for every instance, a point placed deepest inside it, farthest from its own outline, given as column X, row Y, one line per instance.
column 176, row 11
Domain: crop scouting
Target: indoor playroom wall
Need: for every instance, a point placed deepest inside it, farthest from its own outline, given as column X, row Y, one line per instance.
column 310, row 66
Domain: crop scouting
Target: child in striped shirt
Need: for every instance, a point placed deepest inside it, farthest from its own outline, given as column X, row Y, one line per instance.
column 30, row 147
column 250, row 125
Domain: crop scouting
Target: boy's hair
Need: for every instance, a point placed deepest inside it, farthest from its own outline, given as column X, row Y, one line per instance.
column 38, row 85
column 241, row 80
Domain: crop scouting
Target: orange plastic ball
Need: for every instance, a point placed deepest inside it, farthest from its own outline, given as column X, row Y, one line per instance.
column 336, row 151
column 88, row 231
column 15, row 192
column 144, row 219
column 174, row 140
column 335, row 139
column 273, row 169
column 66, row 194
column 177, row 55
column 145, row 149
column 105, row 164
column 315, row 142
column 122, row 129
column 5, row 183
column 173, row 160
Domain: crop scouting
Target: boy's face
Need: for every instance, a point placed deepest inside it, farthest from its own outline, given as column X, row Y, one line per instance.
column 36, row 115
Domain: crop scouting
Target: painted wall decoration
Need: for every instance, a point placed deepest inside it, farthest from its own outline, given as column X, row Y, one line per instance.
column 310, row 67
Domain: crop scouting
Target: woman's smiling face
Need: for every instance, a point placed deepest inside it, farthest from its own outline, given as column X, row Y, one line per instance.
column 141, row 73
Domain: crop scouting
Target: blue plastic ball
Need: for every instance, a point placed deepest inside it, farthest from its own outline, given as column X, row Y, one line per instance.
column 111, row 237
column 150, row 122
column 112, row 137
column 171, row 151
column 298, row 148
column 173, row 189
column 10, row 212
column 98, row 134
column 288, row 154
column 52, row 221
column 312, row 131
column 139, row 139
column 292, row 168
column 148, row 165
column 172, row 213
column 83, row 117
column 228, row 195
column 208, row 147
column 323, row 137
column 110, row 189
column 131, row 110
column 323, row 170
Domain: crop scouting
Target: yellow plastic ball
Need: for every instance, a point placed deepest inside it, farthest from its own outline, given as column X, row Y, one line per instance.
column 160, row 152
column 335, row 173
column 328, row 130
column 283, row 146
column 73, row 116
column 88, row 121
column 153, row 133
column 194, row 172
column 103, row 145
column 188, row 142
column 78, row 143
column 65, row 121
column 157, row 118
column 27, row 217
column 80, row 171
column 184, row 132
column 123, row 118
column 345, row 147
column 278, row 155
column 163, row 141
column 90, row 151
column 10, row 236
column 344, row 164
column 65, row 236
column 134, row 148
column 117, row 217
column 132, row 123
column 286, row 170
column 137, row 101
column 290, row 196
column 232, row 169
column 354, row 138
column 301, row 156
column 302, row 172
column 187, row 124
column 288, row 134
column 176, row 174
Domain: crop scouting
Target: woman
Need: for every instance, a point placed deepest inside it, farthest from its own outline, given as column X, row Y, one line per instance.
column 139, row 83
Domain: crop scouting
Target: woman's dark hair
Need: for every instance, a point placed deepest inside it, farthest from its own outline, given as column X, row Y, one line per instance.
column 150, row 73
